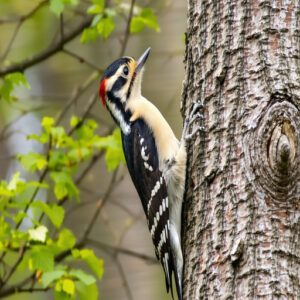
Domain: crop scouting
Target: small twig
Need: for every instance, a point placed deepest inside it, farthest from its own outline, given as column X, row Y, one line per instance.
column 77, row 94
column 13, row 38
column 127, row 29
column 82, row 60
column 123, row 276
column 81, row 242
column 93, row 161
column 14, row 267
column 121, row 250
column 8, row 157
column 100, row 205
column 20, row 21
column 61, row 26
column 18, row 118
column 88, row 108
column 50, row 51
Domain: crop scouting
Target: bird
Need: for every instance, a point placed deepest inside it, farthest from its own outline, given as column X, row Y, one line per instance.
column 155, row 158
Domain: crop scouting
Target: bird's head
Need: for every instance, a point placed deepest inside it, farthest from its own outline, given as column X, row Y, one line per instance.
column 120, row 83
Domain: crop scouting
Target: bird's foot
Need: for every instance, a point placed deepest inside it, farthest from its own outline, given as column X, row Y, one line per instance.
column 194, row 115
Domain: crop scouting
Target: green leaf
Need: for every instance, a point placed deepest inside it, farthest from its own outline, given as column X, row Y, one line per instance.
column 74, row 121
column 64, row 185
column 58, row 160
column 68, row 286
column 79, row 154
column 82, row 290
column 54, row 212
column 38, row 234
column 61, row 296
column 136, row 24
column 96, row 9
column 85, row 278
column 96, row 20
column 13, row 184
column 47, row 123
column 105, row 27
column 9, row 83
column 88, row 255
column 57, row 6
column 110, row 12
column 43, row 138
column 19, row 216
column 87, row 130
column 41, row 258
column 59, row 136
column 147, row 18
column 66, row 239
column 114, row 152
column 32, row 161
column 99, row 2
column 49, row 277
column 88, row 35
column 72, row 2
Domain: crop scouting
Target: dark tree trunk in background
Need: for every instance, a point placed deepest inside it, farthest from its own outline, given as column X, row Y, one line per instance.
column 241, row 230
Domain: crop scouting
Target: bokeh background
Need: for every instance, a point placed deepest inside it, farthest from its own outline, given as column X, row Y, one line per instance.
column 121, row 224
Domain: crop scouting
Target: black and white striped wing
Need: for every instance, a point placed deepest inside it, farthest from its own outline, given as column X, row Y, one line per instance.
column 143, row 165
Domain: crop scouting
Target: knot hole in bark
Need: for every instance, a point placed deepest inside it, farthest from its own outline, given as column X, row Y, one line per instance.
column 282, row 148
column 274, row 150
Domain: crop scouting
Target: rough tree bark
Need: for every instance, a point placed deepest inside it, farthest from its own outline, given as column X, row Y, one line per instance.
column 241, row 230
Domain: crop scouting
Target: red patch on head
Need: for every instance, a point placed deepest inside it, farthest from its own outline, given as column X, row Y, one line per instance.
column 102, row 91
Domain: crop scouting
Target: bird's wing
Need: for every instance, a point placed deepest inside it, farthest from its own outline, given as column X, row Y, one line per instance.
column 143, row 165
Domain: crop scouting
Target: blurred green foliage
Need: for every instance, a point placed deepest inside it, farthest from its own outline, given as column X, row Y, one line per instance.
column 46, row 252
column 66, row 152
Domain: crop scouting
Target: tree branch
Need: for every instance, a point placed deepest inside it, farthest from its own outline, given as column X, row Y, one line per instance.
column 50, row 51
column 127, row 30
column 82, row 60
column 26, row 16
column 20, row 21
column 101, row 245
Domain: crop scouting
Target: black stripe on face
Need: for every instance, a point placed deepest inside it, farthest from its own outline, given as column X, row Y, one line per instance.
column 131, row 85
column 120, row 82
column 112, row 68
column 117, row 101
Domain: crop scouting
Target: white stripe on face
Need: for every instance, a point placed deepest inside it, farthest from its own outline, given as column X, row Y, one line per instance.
column 125, row 127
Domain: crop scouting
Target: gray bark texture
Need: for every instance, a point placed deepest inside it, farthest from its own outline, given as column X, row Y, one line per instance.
column 241, row 226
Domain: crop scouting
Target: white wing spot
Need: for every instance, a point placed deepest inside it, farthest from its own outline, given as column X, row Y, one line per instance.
column 144, row 156
column 156, row 220
column 155, row 189
column 153, row 193
column 148, row 167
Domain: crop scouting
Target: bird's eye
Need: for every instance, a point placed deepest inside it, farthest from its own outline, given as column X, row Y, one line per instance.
column 125, row 71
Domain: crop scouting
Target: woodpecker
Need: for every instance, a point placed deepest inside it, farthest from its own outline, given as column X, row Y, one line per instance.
column 155, row 158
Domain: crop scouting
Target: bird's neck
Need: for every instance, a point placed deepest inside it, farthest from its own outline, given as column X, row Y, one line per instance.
column 118, row 113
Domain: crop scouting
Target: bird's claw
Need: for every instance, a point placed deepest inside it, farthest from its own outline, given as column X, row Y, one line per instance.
column 194, row 115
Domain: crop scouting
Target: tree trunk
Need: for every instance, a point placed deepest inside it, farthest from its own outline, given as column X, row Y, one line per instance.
column 241, row 228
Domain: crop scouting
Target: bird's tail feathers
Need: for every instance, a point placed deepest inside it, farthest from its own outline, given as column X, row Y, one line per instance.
column 177, row 278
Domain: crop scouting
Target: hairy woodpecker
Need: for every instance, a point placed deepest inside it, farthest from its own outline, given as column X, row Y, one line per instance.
column 156, row 160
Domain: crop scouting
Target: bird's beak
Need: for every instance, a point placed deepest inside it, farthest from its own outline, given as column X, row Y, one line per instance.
column 141, row 61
